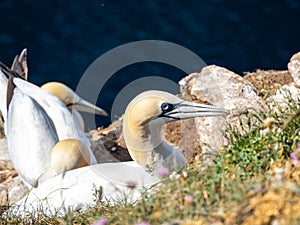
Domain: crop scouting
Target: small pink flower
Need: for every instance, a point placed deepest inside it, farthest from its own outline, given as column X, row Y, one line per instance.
column 101, row 221
column 163, row 172
column 294, row 158
column 143, row 223
column 226, row 142
column 131, row 184
column 189, row 199
column 295, row 155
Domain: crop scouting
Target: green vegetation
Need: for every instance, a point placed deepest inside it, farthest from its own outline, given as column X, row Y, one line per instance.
column 252, row 180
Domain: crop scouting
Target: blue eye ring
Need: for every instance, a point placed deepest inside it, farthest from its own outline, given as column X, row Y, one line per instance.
column 166, row 107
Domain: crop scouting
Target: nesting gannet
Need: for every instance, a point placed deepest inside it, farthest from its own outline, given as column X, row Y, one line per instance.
column 36, row 121
column 142, row 123
column 72, row 101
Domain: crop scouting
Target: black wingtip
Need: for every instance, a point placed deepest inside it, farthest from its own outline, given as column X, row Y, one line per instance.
column 19, row 64
column 10, row 85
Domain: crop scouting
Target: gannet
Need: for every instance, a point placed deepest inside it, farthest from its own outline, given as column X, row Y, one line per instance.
column 142, row 123
column 63, row 92
column 72, row 101
column 36, row 122
column 143, row 120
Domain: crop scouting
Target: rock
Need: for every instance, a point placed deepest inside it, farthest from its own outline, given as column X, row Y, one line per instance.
column 179, row 134
column 282, row 99
column 267, row 82
column 294, row 68
column 3, row 149
column 5, row 165
column 108, row 145
column 223, row 88
column 12, row 190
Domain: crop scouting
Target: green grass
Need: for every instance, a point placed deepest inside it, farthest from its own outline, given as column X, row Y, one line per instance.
column 237, row 188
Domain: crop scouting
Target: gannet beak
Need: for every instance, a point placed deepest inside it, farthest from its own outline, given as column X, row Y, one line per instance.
column 85, row 106
column 186, row 110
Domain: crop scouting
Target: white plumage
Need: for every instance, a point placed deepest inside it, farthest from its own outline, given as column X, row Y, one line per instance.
column 65, row 125
column 30, row 138
column 36, row 121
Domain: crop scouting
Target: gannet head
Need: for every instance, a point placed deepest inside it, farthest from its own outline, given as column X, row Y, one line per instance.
column 71, row 99
column 69, row 154
column 144, row 117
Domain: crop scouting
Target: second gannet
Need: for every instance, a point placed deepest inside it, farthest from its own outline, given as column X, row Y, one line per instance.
column 142, row 123
column 72, row 101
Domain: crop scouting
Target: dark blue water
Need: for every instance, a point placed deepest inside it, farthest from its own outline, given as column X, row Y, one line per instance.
column 64, row 37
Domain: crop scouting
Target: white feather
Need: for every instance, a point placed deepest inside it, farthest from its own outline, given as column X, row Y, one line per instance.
column 76, row 189
column 29, row 140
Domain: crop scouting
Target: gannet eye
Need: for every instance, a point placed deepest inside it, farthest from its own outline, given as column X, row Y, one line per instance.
column 166, row 107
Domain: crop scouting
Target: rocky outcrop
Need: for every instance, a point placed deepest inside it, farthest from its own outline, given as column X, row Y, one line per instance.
column 223, row 88
column 294, row 68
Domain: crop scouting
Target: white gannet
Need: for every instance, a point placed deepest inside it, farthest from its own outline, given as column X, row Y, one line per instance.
column 63, row 92
column 36, row 121
column 142, row 123
column 72, row 101
column 143, row 120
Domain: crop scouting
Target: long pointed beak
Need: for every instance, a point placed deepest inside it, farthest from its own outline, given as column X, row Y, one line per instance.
column 186, row 110
column 85, row 106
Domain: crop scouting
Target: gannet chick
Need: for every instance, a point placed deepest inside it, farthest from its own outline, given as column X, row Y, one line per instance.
column 69, row 154
column 143, row 120
column 72, row 101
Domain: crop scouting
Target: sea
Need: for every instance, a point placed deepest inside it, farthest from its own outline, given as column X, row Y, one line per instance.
column 64, row 38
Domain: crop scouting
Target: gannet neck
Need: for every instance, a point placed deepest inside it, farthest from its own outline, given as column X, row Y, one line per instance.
column 77, row 116
column 146, row 147
column 143, row 120
column 63, row 92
